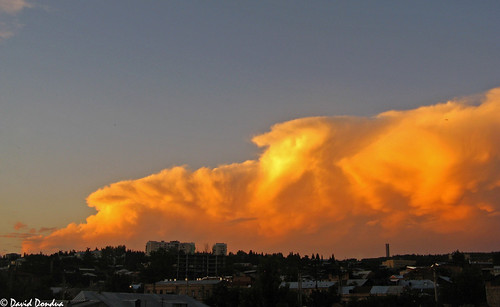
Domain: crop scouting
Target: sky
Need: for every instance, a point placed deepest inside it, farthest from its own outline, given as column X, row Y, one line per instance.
column 326, row 126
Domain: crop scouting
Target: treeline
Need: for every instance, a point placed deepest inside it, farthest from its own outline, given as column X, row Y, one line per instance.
column 266, row 289
column 117, row 269
column 34, row 275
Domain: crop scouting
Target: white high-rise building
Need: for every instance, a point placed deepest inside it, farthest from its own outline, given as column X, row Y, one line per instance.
column 153, row 246
column 219, row 249
column 187, row 248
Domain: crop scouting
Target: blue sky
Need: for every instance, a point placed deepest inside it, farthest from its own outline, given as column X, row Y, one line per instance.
column 93, row 92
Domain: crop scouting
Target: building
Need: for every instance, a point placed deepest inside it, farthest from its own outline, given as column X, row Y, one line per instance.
column 99, row 299
column 242, row 281
column 398, row 263
column 386, row 290
column 95, row 253
column 12, row 256
column 417, row 284
column 199, row 265
column 492, row 288
column 307, row 287
column 187, row 248
column 153, row 246
column 219, row 249
column 496, row 270
column 197, row 289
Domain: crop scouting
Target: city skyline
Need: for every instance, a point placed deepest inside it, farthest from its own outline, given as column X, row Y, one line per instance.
column 325, row 127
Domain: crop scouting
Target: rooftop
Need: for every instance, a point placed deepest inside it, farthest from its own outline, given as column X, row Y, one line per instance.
column 112, row 299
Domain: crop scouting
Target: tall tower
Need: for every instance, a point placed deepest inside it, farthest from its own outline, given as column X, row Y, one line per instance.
column 387, row 252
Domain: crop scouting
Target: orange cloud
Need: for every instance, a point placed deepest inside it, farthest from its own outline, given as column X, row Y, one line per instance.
column 19, row 225
column 426, row 180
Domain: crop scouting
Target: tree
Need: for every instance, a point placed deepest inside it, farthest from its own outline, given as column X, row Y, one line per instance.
column 496, row 258
column 269, row 282
column 224, row 296
column 467, row 288
column 88, row 259
column 161, row 266
column 324, row 298
column 458, row 258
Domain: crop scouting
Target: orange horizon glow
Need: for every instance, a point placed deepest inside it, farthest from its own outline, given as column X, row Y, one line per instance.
column 426, row 179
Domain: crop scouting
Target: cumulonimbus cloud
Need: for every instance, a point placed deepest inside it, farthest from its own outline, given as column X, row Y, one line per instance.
column 426, row 180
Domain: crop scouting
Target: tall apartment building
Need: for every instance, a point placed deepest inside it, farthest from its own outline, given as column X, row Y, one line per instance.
column 219, row 249
column 153, row 246
column 187, row 248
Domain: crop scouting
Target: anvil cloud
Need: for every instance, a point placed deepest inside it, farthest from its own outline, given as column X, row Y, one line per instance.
column 425, row 180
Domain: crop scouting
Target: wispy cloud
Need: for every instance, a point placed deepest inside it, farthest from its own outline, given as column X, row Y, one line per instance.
column 19, row 225
column 5, row 34
column 426, row 179
column 27, row 233
column 9, row 9
column 14, row 6
column 16, row 235
column 242, row 220
column 47, row 229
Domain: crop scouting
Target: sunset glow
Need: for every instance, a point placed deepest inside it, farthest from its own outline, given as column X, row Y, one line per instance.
column 427, row 178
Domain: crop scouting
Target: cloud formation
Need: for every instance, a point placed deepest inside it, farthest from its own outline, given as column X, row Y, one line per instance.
column 20, row 225
column 14, row 6
column 27, row 232
column 9, row 26
column 425, row 180
column 4, row 33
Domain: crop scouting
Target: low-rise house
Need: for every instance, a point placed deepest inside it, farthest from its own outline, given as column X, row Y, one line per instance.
column 124, row 272
column 354, row 292
column 361, row 274
column 496, row 270
column 242, row 281
column 492, row 289
column 114, row 299
column 309, row 286
column 417, row 284
column 386, row 290
column 197, row 289
column 398, row 263
column 356, row 282
column 346, row 290
column 396, row 278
